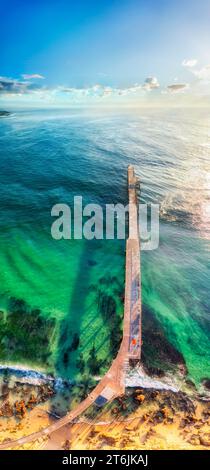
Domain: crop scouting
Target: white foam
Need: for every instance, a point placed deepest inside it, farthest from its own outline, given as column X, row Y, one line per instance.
column 138, row 378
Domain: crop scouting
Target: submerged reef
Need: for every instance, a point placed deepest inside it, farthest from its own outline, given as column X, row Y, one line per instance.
column 25, row 334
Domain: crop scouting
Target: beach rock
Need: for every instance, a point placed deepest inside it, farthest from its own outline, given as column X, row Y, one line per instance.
column 147, row 435
column 157, row 417
column 124, row 442
column 188, row 421
column 194, row 440
column 206, row 414
column 6, row 440
column 190, row 384
column 32, row 401
column 140, row 398
column 20, row 408
column 138, row 391
column 165, row 411
column 108, row 440
column 205, row 440
column 183, row 423
column 6, row 410
column 182, row 369
column 156, row 372
column 206, row 383
column 183, row 403
column 93, row 433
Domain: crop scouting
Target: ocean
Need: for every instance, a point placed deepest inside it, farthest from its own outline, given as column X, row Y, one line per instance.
column 59, row 290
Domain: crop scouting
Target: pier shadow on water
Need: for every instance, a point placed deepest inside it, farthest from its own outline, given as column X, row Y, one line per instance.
column 90, row 333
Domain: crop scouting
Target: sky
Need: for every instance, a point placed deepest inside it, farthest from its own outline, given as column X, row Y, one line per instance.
column 107, row 52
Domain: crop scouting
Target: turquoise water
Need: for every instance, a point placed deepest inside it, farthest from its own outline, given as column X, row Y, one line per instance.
column 48, row 157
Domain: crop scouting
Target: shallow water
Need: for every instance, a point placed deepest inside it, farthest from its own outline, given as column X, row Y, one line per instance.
column 47, row 157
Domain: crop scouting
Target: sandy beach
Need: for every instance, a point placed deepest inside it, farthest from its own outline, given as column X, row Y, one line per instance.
column 143, row 419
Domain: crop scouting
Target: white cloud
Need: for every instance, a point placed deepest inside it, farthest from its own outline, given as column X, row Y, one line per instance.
column 101, row 91
column 203, row 73
column 11, row 86
column 189, row 62
column 28, row 76
column 128, row 90
column 151, row 83
column 177, row 87
column 107, row 91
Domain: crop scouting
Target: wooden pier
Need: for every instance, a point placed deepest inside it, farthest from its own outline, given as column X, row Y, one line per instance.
column 132, row 305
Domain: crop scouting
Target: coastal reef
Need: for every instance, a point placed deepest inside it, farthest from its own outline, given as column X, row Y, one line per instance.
column 25, row 335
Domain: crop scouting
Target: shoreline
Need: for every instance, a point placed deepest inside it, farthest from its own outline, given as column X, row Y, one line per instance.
column 138, row 377
column 33, row 376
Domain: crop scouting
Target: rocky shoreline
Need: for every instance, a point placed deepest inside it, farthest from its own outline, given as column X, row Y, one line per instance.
column 151, row 419
column 156, row 413
column 141, row 419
